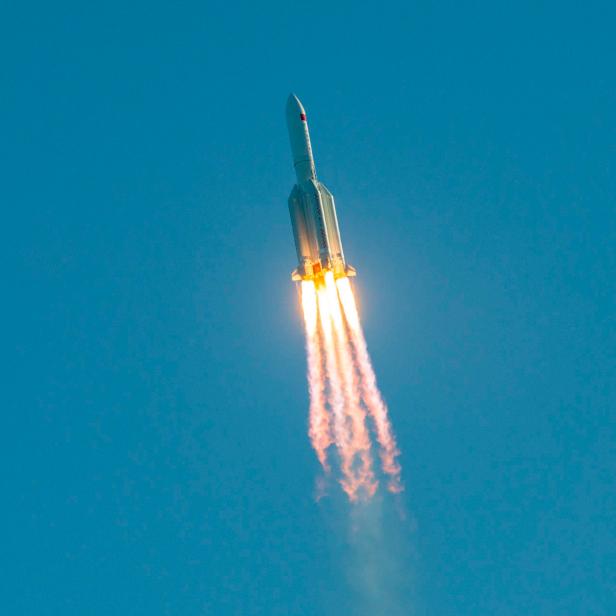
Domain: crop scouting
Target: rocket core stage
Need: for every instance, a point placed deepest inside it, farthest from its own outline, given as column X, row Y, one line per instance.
column 312, row 208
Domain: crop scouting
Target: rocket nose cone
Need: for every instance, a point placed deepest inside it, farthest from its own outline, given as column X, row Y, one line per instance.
column 300, row 140
column 295, row 110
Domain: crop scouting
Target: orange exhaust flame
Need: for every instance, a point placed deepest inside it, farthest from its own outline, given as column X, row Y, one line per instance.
column 360, row 440
column 370, row 392
column 340, row 378
column 319, row 429
column 336, row 398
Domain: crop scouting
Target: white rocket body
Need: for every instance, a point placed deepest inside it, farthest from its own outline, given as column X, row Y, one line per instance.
column 312, row 208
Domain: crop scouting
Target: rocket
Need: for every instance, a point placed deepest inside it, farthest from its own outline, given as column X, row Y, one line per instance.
column 312, row 208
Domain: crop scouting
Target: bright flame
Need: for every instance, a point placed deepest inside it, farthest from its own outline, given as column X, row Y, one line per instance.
column 360, row 440
column 309, row 304
column 319, row 430
column 370, row 392
column 336, row 398
column 343, row 387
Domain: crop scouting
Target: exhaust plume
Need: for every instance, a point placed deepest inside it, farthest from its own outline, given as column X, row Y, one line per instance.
column 343, row 390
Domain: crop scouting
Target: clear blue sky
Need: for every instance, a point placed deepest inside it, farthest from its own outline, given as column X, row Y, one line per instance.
column 155, row 457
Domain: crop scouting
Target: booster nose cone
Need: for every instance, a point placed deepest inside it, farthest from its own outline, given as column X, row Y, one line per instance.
column 300, row 139
column 294, row 107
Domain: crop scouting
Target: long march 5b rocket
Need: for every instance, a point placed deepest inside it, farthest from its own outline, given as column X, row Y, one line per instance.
column 312, row 209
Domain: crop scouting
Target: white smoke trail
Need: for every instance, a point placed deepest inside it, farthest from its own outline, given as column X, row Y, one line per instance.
column 360, row 440
column 370, row 391
column 319, row 428
column 342, row 387
column 336, row 399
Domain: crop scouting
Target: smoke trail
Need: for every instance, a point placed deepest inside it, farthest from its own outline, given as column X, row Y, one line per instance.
column 342, row 387
column 380, row 562
column 319, row 429
column 370, row 392
column 360, row 440
column 336, row 399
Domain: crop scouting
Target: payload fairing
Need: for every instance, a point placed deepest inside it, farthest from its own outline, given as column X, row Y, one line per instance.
column 312, row 208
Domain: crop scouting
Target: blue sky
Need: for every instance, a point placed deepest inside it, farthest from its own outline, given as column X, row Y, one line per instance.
column 156, row 458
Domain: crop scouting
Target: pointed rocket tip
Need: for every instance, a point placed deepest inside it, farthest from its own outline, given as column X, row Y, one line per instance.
column 295, row 111
column 294, row 104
